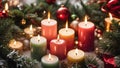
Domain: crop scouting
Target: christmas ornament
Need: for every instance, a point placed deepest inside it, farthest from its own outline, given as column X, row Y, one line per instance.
column 109, row 61
column 63, row 13
column 112, row 6
column 50, row 1
column 74, row 24
column 73, row 16
column 25, row 42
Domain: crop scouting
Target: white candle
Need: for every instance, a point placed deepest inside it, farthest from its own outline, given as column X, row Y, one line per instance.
column 38, row 47
column 75, row 55
column 50, row 61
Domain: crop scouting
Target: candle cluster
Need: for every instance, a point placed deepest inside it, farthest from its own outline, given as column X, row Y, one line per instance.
column 61, row 47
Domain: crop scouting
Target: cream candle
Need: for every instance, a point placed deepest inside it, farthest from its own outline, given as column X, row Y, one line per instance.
column 86, row 35
column 38, row 47
column 75, row 56
column 30, row 31
column 50, row 61
column 16, row 45
column 68, row 35
column 49, row 29
column 58, row 47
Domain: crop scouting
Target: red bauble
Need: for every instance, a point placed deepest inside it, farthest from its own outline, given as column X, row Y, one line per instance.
column 50, row 1
column 63, row 13
column 113, row 6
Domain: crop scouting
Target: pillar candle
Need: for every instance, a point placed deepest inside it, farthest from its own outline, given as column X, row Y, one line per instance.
column 75, row 55
column 49, row 29
column 16, row 45
column 108, row 22
column 68, row 35
column 50, row 61
column 38, row 47
column 58, row 47
column 86, row 36
column 29, row 31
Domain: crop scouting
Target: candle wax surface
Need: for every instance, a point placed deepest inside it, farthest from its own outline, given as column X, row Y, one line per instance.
column 18, row 45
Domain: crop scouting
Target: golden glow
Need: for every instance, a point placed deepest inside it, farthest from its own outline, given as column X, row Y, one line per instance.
column 23, row 21
column 76, row 42
column 85, row 19
column 31, row 28
column 6, row 7
column 48, row 16
column 110, row 15
column 66, row 26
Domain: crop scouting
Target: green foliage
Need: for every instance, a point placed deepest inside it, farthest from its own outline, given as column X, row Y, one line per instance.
column 110, row 42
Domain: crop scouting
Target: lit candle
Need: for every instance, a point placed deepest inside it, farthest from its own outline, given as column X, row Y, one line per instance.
column 16, row 45
column 86, row 35
column 75, row 56
column 49, row 29
column 58, row 47
column 30, row 31
column 6, row 7
column 50, row 61
column 108, row 22
column 68, row 35
column 13, row 2
column 38, row 47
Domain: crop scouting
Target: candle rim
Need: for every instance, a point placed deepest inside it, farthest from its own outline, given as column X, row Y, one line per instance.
column 45, row 22
column 34, row 40
column 12, row 46
column 54, row 61
column 83, row 25
column 66, row 32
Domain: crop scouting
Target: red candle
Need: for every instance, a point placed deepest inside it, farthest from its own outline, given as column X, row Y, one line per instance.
column 86, row 35
column 58, row 47
column 49, row 29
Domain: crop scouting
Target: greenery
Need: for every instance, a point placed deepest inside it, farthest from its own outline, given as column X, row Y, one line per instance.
column 11, row 27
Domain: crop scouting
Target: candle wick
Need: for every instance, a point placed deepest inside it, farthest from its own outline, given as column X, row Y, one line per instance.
column 85, row 24
column 38, row 40
column 76, row 54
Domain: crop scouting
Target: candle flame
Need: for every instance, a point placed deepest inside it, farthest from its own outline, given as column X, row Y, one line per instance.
column 66, row 25
column 85, row 19
column 14, row 43
column 110, row 15
column 49, row 57
column 58, row 37
column 38, row 37
column 76, row 51
column 6, row 7
column 30, row 27
column 48, row 16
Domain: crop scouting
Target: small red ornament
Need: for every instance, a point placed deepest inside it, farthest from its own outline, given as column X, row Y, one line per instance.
column 112, row 6
column 50, row 1
column 63, row 13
